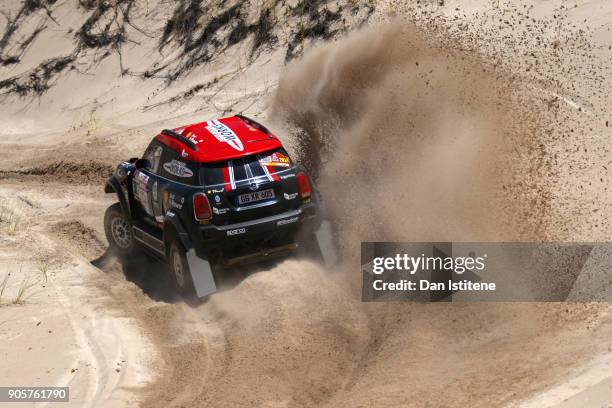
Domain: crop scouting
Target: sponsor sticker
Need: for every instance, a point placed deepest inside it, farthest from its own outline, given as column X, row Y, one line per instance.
column 176, row 201
column 191, row 136
column 178, row 169
column 142, row 177
column 236, row 231
column 276, row 159
column 141, row 191
column 287, row 221
column 224, row 134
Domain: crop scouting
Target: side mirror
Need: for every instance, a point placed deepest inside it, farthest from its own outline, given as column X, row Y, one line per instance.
column 142, row 164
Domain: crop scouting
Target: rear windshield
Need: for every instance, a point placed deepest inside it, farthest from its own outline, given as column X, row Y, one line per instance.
column 245, row 169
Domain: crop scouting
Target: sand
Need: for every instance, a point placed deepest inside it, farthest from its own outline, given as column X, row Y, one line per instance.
column 524, row 157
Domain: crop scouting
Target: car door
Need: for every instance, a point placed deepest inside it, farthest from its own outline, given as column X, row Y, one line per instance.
column 146, row 184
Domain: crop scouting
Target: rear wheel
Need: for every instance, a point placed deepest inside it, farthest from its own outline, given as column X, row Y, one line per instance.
column 180, row 276
column 118, row 230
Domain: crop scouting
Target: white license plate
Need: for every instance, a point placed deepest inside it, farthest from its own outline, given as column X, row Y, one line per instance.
column 256, row 196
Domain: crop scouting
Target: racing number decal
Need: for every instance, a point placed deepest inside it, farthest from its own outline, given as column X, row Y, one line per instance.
column 142, row 190
column 148, row 192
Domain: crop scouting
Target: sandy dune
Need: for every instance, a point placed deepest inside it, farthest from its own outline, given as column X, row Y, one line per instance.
column 491, row 119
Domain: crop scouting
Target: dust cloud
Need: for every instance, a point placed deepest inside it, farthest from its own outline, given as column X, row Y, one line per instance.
column 412, row 139
column 407, row 141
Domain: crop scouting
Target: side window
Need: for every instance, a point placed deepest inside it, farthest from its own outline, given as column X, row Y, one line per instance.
column 153, row 155
column 174, row 168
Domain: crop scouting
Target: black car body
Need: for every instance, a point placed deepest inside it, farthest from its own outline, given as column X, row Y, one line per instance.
column 220, row 192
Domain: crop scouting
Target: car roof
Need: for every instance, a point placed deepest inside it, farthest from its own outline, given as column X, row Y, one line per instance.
column 221, row 139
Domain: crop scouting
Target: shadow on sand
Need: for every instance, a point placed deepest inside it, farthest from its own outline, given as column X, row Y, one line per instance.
column 151, row 275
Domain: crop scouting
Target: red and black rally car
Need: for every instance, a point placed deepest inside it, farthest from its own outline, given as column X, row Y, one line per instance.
column 215, row 193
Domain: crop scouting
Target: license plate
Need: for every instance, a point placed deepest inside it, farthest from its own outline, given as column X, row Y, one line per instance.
column 256, row 196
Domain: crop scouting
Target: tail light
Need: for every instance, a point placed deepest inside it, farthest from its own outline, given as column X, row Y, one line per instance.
column 201, row 207
column 304, row 187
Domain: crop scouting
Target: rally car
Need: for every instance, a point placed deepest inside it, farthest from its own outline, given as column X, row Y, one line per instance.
column 211, row 195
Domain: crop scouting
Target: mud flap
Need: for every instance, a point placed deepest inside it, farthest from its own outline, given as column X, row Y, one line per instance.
column 201, row 275
column 325, row 240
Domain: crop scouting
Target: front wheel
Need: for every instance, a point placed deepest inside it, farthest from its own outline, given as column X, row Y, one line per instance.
column 118, row 230
column 180, row 276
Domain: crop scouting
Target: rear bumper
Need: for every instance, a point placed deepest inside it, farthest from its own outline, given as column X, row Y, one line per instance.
column 256, row 235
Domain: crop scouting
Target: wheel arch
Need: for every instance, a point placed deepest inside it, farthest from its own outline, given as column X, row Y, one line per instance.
column 112, row 186
column 173, row 229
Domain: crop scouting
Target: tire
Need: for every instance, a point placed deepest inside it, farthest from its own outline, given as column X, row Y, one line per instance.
column 118, row 231
column 180, row 276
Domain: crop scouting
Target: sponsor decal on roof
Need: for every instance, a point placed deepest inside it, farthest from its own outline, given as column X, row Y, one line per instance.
column 224, row 134
column 178, row 169
column 191, row 136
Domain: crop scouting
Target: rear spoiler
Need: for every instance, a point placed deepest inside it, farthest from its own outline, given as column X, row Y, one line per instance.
column 180, row 138
column 254, row 123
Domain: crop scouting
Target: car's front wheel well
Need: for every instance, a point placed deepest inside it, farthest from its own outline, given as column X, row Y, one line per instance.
column 109, row 188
